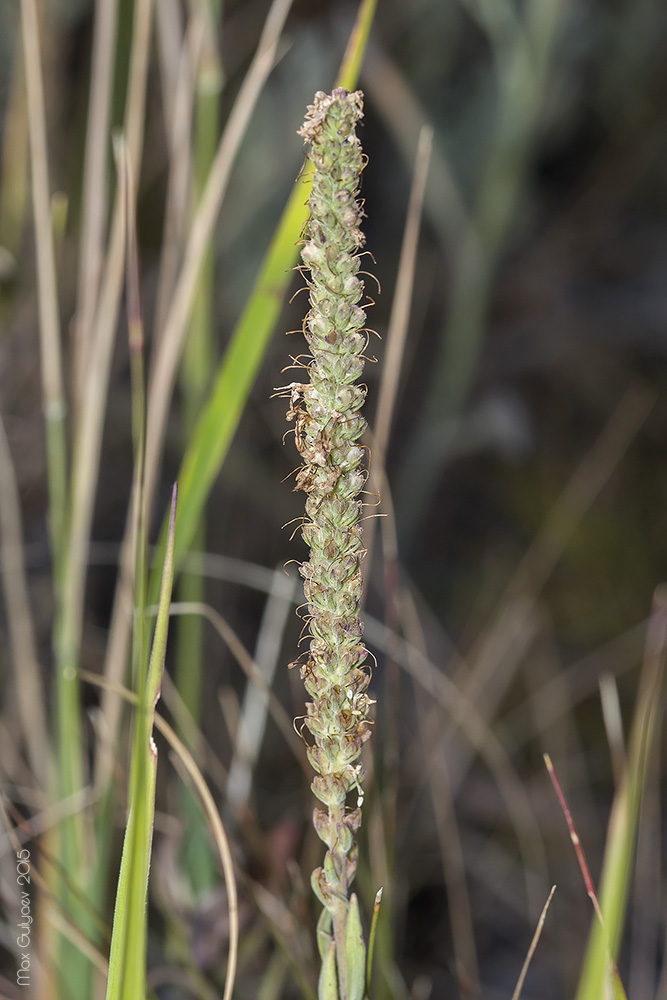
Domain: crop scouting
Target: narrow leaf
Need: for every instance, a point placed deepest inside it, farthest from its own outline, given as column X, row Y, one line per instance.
column 327, row 987
column 355, row 952
column 127, row 960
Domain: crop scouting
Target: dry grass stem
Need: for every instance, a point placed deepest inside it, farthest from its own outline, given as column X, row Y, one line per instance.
column 398, row 327
column 51, row 360
column 533, row 945
column 95, row 187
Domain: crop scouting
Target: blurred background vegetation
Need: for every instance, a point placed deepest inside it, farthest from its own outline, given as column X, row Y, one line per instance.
column 526, row 468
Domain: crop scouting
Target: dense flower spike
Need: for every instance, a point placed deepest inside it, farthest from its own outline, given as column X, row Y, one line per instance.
column 329, row 424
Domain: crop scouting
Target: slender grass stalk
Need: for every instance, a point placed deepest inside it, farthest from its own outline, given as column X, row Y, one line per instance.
column 94, row 199
column 329, row 424
column 52, row 370
column 69, row 779
column 127, row 962
column 533, row 945
column 179, row 113
column 198, row 363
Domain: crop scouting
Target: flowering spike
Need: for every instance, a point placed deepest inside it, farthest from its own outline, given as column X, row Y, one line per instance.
column 328, row 425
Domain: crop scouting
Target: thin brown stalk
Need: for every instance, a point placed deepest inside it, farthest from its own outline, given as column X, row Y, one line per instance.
column 169, row 32
column 88, row 436
column 47, row 293
column 574, row 837
column 533, row 945
column 398, row 323
column 400, row 310
column 581, row 859
column 46, row 266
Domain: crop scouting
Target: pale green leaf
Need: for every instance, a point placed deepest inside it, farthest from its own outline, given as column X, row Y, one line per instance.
column 355, row 952
column 327, row 986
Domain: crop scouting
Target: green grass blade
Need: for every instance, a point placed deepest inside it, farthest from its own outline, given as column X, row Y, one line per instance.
column 127, row 960
column 356, row 47
column 619, row 855
column 250, row 339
